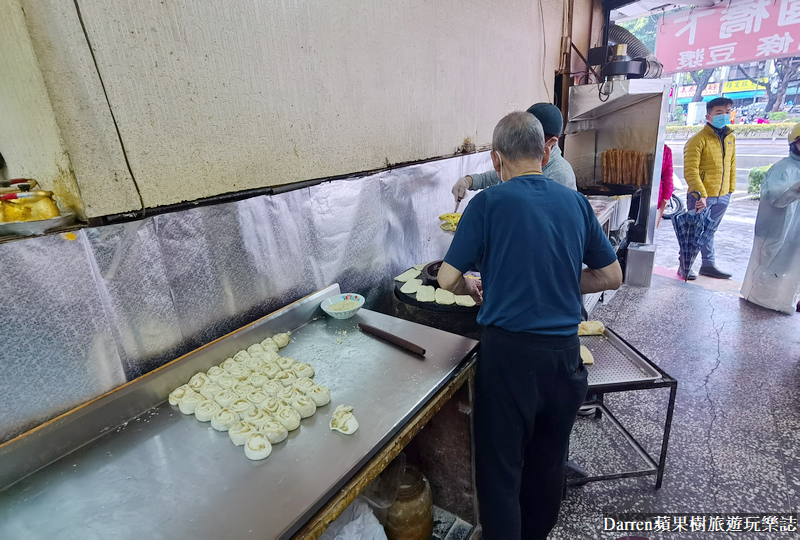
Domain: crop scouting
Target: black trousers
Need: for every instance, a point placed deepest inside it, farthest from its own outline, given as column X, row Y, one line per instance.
column 528, row 390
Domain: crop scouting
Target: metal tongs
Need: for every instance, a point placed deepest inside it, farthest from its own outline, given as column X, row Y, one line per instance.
column 16, row 185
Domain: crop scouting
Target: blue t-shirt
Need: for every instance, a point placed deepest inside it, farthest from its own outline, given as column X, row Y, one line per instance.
column 528, row 238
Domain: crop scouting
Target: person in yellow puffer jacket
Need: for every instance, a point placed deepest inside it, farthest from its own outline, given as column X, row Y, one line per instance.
column 709, row 161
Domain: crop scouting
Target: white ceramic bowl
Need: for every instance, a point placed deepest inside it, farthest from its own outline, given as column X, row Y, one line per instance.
column 338, row 298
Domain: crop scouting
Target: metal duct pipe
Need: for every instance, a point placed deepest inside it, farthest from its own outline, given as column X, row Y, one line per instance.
column 636, row 50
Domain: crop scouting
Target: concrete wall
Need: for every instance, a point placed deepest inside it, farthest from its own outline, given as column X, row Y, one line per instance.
column 30, row 140
column 219, row 96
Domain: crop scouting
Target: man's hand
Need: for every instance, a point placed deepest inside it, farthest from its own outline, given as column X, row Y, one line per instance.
column 474, row 288
column 460, row 188
column 700, row 204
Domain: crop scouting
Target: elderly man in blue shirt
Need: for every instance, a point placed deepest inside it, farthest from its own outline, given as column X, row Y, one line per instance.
column 555, row 166
column 528, row 237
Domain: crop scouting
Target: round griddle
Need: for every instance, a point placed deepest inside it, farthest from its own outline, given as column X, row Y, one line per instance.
column 428, row 277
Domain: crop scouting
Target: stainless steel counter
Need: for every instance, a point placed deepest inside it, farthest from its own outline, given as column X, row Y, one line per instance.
column 166, row 475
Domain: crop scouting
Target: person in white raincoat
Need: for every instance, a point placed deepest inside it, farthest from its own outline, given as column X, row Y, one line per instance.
column 773, row 275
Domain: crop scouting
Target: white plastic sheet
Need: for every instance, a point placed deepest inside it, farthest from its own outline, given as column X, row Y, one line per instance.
column 773, row 274
column 357, row 522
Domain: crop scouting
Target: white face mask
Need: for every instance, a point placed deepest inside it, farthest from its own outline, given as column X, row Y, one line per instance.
column 501, row 163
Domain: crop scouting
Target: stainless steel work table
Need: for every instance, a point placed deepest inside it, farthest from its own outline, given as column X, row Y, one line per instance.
column 166, row 475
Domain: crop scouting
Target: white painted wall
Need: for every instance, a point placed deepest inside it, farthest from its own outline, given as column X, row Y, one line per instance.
column 224, row 95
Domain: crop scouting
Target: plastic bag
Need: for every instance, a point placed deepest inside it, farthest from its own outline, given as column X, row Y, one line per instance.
column 357, row 522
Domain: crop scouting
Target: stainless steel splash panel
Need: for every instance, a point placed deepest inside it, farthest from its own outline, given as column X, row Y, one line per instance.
column 81, row 317
column 165, row 475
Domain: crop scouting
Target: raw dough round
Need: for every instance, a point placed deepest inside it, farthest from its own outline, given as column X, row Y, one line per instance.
column 274, row 431
column 206, row 410
column 189, row 402
column 320, row 394
column 226, row 398
column 272, row 388
column 305, row 406
column 289, row 417
column 239, row 372
column 228, row 364
column 214, row 373
column 255, row 347
column 241, row 406
column 270, row 345
column 285, row 362
column 177, row 395
column 198, row 380
column 257, row 446
column 227, row 381
column 224, row 419
column 257, row 397
column 243, row 388
column 241, row 356
column 281, row 340
column 303, row 370
column 272, row 406
column 257, row 379
column 271, row 369
column 239, row 432
column 343, row 420
column 289, row 394
column 258, row 417
column 286, row 378
column 303, row 383
column 210, row 390
column 254, row 364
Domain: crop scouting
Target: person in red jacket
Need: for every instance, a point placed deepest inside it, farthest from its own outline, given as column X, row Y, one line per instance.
column 667, row 187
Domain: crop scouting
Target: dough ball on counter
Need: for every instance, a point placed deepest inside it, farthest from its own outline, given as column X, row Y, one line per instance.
column 289, row 417
column 305, row 406
column 224, row 419
column 178, row 394
column 226, row 398
column 444, row 297
column 210, row 390
column 286, row 378
column 257, row 446
column 255, row 347
column 198, row 380
column 241, row 406
column 189, row 402
column 272, row 388
column 303, row 383
column 270, row 345
column 206, row 410
column 255, row 364
column 411, row 286
column 301, row 369
column 214, row 373
column 242, row 388
column 274, row 431
column 281, row 340
column 272, row 406
column 465, row 300
column 239, row 372
column 257, row 379
column 257, row 397
column 343, row 420
column 320, row 394
column 270, row 356
column 271, row 369
column 289, row 394
column 239, row 432
column 241, row 356
column 227, row 381
column 285, row 362
column 426, row 293
column 257, row 417
column 228, row 364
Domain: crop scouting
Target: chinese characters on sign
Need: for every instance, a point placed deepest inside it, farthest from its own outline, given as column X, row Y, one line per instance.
column 732, row 33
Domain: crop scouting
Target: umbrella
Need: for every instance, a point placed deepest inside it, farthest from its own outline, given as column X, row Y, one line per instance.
column 694, row 229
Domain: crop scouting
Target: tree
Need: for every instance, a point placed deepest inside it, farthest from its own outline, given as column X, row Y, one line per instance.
column 644, row 29
column 701, row 78
column 787, row 70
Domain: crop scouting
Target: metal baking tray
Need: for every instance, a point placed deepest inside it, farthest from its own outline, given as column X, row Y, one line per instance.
column 136, row 467
column 615, row 362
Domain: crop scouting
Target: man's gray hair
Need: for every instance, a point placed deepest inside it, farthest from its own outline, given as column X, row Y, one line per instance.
column 519, row 135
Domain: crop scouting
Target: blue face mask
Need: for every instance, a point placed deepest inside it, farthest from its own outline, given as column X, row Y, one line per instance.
column 721, row 120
